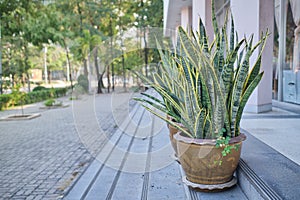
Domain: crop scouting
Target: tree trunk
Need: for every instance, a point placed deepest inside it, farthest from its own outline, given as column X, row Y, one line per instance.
column 49, row 76
column 97, row 70
column 101, row 80
column 85, row 70
column 69, row 63
column 27, row 68
column 108, row 79
column 99, row 91
column 28, row 81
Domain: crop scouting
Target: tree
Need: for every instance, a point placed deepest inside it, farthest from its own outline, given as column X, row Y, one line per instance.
column 28, row 22
column 149, row 14
column 84, row 46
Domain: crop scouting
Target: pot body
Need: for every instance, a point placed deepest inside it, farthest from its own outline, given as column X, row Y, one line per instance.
column 172, row 132
column 200, row 159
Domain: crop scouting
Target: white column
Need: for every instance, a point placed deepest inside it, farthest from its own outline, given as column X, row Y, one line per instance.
column 202, row 9
column 295, row 6
column 282, row 46
column 254, row 17
column 186, row 17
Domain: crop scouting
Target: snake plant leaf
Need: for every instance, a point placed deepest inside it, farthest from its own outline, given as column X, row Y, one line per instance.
column 249, row 44
column 194, row 36
column 203, row 37
column 191, row 79
column 243, row 102
column 151, row 103
column 238, row 86
column 239, row 59
column 158, row 101
column 216, row 54
column 207, row 127
column 221, row 106
column 164, row 58
column 232, row 34
column 170, row 105
column 251, row 50
column 228, row 70
column 205, row 97
column 198, row 91
column 189, row 75
column 218, row 115
column 254, row 72
column 169, row 97
column 179, row 48
column 221, row 51
column 214, row 18
column 145, row 79
column 241, row 80
column 236, row 37
column 163, row 117
column 166, row 80
column 233, row 54
column 186, row 43
column 256, row 68
column 226, row 19
column 157, row 80
column 189, row 105
column 205, row 85
column 227, row 77
column 199, row 123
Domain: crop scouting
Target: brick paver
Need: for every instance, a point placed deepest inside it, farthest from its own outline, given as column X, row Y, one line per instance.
column 43, row 157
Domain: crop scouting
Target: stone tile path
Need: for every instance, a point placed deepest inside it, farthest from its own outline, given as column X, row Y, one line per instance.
column 43, row 157
column 137, row 162
column 53, row 156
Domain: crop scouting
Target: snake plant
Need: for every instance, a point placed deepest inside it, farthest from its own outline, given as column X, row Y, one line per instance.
column 204, row 86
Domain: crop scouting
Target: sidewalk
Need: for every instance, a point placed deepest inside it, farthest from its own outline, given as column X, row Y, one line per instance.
column 270, row 164
column 137, row 162
column 43, row 157
column 107, row 147
column 280, row 129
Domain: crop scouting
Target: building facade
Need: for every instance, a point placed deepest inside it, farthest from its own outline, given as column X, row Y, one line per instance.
column 251, row 17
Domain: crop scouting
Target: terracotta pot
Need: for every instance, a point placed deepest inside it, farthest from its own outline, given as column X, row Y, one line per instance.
column 200, row 158
column 172, row 132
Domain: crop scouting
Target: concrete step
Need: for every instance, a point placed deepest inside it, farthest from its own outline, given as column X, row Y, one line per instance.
column 264, row 173
column 138, row 163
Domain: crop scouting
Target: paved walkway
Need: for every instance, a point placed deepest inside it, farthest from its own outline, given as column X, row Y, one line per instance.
column 43, row 157
column 279, row 128
column 53, row 156
column 137, row 162
column 271, row 150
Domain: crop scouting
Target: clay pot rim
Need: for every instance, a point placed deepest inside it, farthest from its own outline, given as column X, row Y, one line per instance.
column 179, row 137
column 179, row 124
